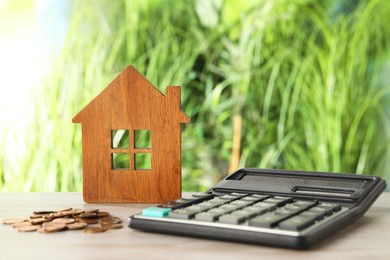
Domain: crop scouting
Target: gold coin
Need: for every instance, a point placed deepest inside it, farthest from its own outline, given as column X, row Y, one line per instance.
column 112, row 226
column 110, row 220
column 66, row 213
column 87, row 220
column 94, row 229
column 53, row 215
column 33, row 216
column 37, row 221
column 29, row 228
column 42, row 212
column 52, row 227
column 102, row 214
column 21, row 224
column 87, row 215
column 92, row 211
column 76, row 225
column 10, row 221
column 77, row 211
column 64, row 209
column 64, row 220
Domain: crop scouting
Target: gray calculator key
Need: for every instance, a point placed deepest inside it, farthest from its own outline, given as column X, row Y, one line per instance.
column 267, row 220
column 217, row 201
column 320, row 212
column 330, row 207
column 201, row 195
column 260, row 196
column 181, row 214
column 304, row 203
column 228, row 197
column 265, row 206
column 241, row 203
column 206, row 216
column 232, row 219
column 311, row 214
column 194, row 208
column 229, row 207
column 297, row 223
column 217, row 211
column 251, row 198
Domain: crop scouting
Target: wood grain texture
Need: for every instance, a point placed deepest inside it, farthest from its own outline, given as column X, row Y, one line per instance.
column 366, row 238
column 131, row 102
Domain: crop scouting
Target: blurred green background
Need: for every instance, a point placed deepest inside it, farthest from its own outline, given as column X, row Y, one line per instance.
column 290, row 84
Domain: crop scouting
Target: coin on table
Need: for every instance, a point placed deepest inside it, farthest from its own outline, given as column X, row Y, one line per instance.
column 64, row 220
column 91, row 210
column 76, row 225
column 87, row 220
column 110, row 220
column 42, row 212
column 94, row 230
column 29, row 228
column 37, row 221
column 63, row 209
column 33, row 216
column 102, row 214
column 112, row 226
column 10, row 221
column 66, row 213
column 52, row 227
column 77, row 211
column 21, row 224
column 87, row 215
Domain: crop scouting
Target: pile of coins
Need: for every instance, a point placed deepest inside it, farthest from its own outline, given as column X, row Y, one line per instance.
column 46, row 221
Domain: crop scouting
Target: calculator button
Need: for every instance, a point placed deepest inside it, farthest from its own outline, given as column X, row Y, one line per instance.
column 217, row 201
column 229, row 207
column 278, row 202
column 265, row 206
column 206, row 216
column 256, row 210
column 217, row 211
column 304, row 203
column 238, row 194
column 182, row 214
column 251, row 198
column 232, row 219
column 205, row 205
column 330, row 206
column 241, row 203
column 267, row 220
column 201, row 195
column 171, row 206
column 311, row 214
column 259, row 196
column 228, row 197
column 320, row 212
column 187, row 199
column 297, row 223
column 285, row 212
column 156, row 212
column 194, row 208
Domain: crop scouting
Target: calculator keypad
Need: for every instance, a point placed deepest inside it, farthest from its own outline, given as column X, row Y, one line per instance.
column 253, row 210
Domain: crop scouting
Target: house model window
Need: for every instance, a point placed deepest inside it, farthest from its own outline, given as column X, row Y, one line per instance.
column 131, row 149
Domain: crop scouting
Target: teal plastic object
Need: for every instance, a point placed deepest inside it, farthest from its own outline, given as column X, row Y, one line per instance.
column 155, row 212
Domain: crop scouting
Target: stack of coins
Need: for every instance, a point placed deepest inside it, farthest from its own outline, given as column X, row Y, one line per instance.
column 47, row 221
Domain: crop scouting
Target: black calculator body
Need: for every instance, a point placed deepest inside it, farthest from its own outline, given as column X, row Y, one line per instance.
column 292, row 209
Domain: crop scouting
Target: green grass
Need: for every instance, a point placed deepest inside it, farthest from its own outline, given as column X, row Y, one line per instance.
column 288, row 84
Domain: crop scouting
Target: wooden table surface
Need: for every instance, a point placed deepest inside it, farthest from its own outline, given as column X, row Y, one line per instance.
column 367, row 237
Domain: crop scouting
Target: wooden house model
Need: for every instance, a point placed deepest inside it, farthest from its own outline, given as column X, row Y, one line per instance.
column 131, row 142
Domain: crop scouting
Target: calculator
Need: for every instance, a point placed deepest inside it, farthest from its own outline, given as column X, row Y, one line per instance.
column 292, row 209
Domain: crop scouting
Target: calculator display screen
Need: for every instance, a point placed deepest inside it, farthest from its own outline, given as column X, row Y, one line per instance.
column 313, row 181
